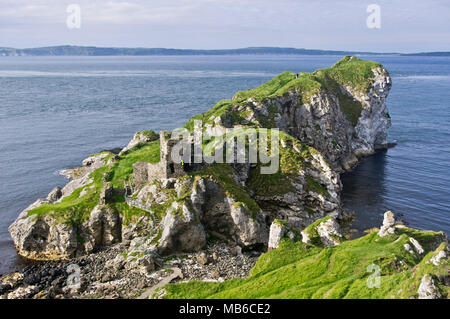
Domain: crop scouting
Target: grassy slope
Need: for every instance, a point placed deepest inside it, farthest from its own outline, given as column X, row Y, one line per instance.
column 296, row 270
column 353, row 72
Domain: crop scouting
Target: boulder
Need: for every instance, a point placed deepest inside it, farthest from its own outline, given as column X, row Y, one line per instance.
column 55, row 194
column 277, row 231
column 143, row 264
column 324, row 232
column 417, row 247
column 181, row 231
column 104, row 226
column 427, row 288
column 42, row 237
column 388, row 226
column 440, row 255
column 330, row 232
column 202, row 259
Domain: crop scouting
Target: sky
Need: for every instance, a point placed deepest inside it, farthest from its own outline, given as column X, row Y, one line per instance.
column 405, row 26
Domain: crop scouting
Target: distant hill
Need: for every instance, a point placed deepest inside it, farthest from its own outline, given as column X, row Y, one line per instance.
column 100, row 51
column 428, row 54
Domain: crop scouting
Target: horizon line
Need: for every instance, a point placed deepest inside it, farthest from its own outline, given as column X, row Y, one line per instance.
column 3, row 48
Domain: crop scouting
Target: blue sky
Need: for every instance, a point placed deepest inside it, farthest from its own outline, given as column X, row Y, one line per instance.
column 406, row 26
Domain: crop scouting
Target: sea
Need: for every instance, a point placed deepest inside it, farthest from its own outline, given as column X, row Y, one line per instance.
column 56, row 111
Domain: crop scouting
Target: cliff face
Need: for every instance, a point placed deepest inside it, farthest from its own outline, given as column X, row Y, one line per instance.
column 328, row 118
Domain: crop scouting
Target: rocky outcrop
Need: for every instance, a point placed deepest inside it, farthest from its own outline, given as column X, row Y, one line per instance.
column 277, row 231
column 104, row 227
column 427, row 288
column 417, row 246
column 181, row 231
column 55, row 194
column 229, row 217
column 388, row 226
column 440, row 255
column 325, row 109
column 46, row 238
column 203, row 206
column 138, row 139
column 324, row 232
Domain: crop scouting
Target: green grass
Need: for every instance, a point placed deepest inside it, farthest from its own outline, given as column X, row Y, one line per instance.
column 313, row 186
column 296, row 270
column 268, row 184
column 353, row 72
column 150, row 134
column 291, row 164
column 74, row 210
column 267, row 89
column 122, row 169
column 223, row 109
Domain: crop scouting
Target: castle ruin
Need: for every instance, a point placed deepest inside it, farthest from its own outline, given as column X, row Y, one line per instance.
column 144, row 172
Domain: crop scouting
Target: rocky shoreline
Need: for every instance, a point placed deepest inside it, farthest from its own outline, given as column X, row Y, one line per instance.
column 51, row 279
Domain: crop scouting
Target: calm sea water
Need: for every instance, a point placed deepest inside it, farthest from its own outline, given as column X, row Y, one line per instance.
column 55, row 111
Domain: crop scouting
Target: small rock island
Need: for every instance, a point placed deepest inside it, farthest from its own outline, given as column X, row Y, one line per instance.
column 138, row 225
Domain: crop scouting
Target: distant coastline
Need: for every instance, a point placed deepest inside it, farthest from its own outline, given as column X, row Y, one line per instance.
column 69, row 50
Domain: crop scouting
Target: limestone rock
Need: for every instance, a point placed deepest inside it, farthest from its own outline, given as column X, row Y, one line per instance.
column 330, row 232
column 202, row 259
column 143, row 264
column 117, row 263
column 106, row 193
column 55, row 194
column 277, row 232
column 223, row 214
column 43, row 238
column 104, row 225
column 417, row 247
column 427, row 288
column 388, row 226
column 321, row 123
column 23, row 292
column 181, row 232
column 141, row 226
column 440, row 255
column 324, row 232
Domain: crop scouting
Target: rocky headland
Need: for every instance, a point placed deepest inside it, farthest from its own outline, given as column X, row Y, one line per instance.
column 130, row 221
